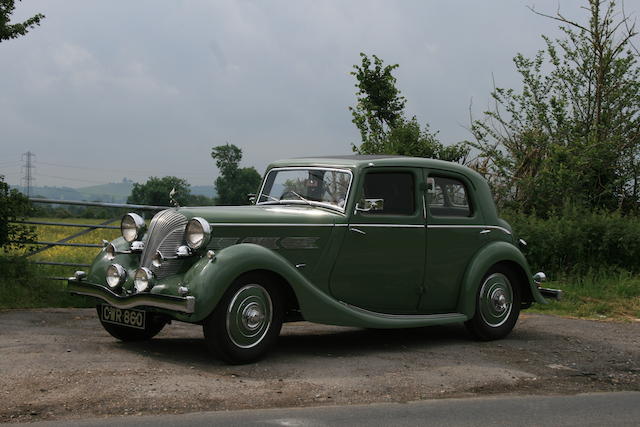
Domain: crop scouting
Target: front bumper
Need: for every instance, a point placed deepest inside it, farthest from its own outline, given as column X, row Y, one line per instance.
column 180, row 304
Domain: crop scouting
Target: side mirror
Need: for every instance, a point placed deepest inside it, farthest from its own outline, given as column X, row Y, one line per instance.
column 368, row 205
column 252, row 198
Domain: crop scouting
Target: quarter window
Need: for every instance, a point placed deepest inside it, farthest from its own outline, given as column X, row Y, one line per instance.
column 389, row 193
column 447, row 197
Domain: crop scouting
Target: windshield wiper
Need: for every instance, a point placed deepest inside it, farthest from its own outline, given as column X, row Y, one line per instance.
column 300, row 197
column 275, row 200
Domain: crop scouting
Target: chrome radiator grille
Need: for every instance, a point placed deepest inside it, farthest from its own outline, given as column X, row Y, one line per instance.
column 166, row 233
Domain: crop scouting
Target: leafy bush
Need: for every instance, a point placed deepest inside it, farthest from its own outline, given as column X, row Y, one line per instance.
column 13, row 206
column 577, row 241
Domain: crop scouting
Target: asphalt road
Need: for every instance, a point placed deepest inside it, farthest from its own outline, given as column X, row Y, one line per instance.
column 616, row 409
column 60, row 365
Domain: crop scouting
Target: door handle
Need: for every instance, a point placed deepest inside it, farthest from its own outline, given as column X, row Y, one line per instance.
column 487, row 231
column 356, row 230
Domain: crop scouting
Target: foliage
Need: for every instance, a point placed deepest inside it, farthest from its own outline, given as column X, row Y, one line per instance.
column 575, row 240
column 22, row 286
column 407, row 139
column 572, row 134
column 14, row 206
column 11, row 31
column 379, row 116
column 156, row 191
column 234, row 183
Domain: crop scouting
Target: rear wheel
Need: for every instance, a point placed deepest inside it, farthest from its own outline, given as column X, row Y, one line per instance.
column 247, row 321
column 497, row 305
column 123, row 333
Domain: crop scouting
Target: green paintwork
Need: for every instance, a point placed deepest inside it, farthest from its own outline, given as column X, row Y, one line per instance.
column 393, row 271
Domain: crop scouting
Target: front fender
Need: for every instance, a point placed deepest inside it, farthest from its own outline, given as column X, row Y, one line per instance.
column 208, row 280
column 487, row 257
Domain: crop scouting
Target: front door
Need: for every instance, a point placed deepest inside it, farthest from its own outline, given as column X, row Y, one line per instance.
column 380, row 265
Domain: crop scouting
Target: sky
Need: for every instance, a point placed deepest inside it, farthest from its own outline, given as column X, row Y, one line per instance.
column 104, row 90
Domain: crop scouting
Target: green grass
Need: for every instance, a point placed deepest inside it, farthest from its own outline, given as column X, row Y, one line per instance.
column 602, row 295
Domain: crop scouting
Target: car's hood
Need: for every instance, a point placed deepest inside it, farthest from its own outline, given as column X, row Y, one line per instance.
column 264, row 214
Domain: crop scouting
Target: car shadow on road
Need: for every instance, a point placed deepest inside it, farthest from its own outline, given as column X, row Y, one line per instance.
column 316, row 341
column 360, row 342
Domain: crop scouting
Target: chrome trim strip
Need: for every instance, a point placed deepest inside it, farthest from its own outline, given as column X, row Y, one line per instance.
column 180, row 304
column 492, row 227
column 268, row 224
column 442, row 316
column 327, row 205
column 262, row 224
column 389, row 225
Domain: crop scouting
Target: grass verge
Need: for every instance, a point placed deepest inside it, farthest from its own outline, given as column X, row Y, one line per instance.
column 601, row 295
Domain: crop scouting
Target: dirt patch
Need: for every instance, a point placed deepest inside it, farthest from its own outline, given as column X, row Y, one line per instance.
column 59, row 364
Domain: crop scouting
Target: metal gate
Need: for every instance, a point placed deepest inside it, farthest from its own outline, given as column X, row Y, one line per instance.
column 87, row 228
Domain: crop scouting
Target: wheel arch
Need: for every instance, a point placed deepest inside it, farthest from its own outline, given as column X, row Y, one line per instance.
column 208, row 280
column 290, row 298
column 490, row 256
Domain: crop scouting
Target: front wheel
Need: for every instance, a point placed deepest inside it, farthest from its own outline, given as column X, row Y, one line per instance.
column 497, row 305
column 247, row 321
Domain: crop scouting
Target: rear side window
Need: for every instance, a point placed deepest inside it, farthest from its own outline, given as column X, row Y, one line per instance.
column 389, row 193
column 447, row 197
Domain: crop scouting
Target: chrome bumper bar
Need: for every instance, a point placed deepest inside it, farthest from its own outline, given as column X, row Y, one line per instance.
column 539, row 278
column 168, row 302
column 556, row 294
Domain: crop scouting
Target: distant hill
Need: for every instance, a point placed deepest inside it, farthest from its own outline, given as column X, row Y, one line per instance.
column 118, row 191
column 115, row 192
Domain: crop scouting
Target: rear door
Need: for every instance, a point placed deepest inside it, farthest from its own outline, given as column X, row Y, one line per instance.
column 454, row 235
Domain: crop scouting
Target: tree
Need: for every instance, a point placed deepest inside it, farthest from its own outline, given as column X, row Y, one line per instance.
column 156, row 191
column 379, row 116
column 12, row 31
column 234, row 183
column 14, row 206
column 572, row 134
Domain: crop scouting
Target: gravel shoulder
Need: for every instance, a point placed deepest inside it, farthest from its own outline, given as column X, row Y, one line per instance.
column 60, row 364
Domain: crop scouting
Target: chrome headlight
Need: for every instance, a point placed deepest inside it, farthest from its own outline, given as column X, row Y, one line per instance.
column 132, row 226
column 116, row 276
column 198, row 233
column 142, row 279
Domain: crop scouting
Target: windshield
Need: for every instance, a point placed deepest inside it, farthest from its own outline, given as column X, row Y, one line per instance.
column 314, row 186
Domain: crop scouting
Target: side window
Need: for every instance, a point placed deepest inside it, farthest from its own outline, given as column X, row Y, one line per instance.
column 447, row 197
column 389, row 193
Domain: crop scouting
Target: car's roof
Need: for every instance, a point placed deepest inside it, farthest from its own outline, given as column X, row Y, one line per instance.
column 361, row 161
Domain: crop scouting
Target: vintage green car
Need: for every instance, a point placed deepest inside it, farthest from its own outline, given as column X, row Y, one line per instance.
column 365, row 241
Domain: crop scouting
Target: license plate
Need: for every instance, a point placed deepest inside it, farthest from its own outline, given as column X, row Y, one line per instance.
column 124, row 317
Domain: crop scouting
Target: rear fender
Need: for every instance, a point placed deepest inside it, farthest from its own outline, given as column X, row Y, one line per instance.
column 481, row 263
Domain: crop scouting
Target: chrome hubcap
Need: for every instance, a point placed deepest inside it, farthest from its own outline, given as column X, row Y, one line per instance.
column 496, row 300
column 249, row 316
column 252, row 316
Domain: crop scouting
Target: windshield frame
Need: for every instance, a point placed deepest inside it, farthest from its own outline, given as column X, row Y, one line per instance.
column 307, row 202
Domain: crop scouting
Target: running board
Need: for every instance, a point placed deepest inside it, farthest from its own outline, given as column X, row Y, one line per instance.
column 409, row 320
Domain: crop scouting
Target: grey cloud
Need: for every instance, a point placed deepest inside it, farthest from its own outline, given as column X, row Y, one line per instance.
column 159, row 83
